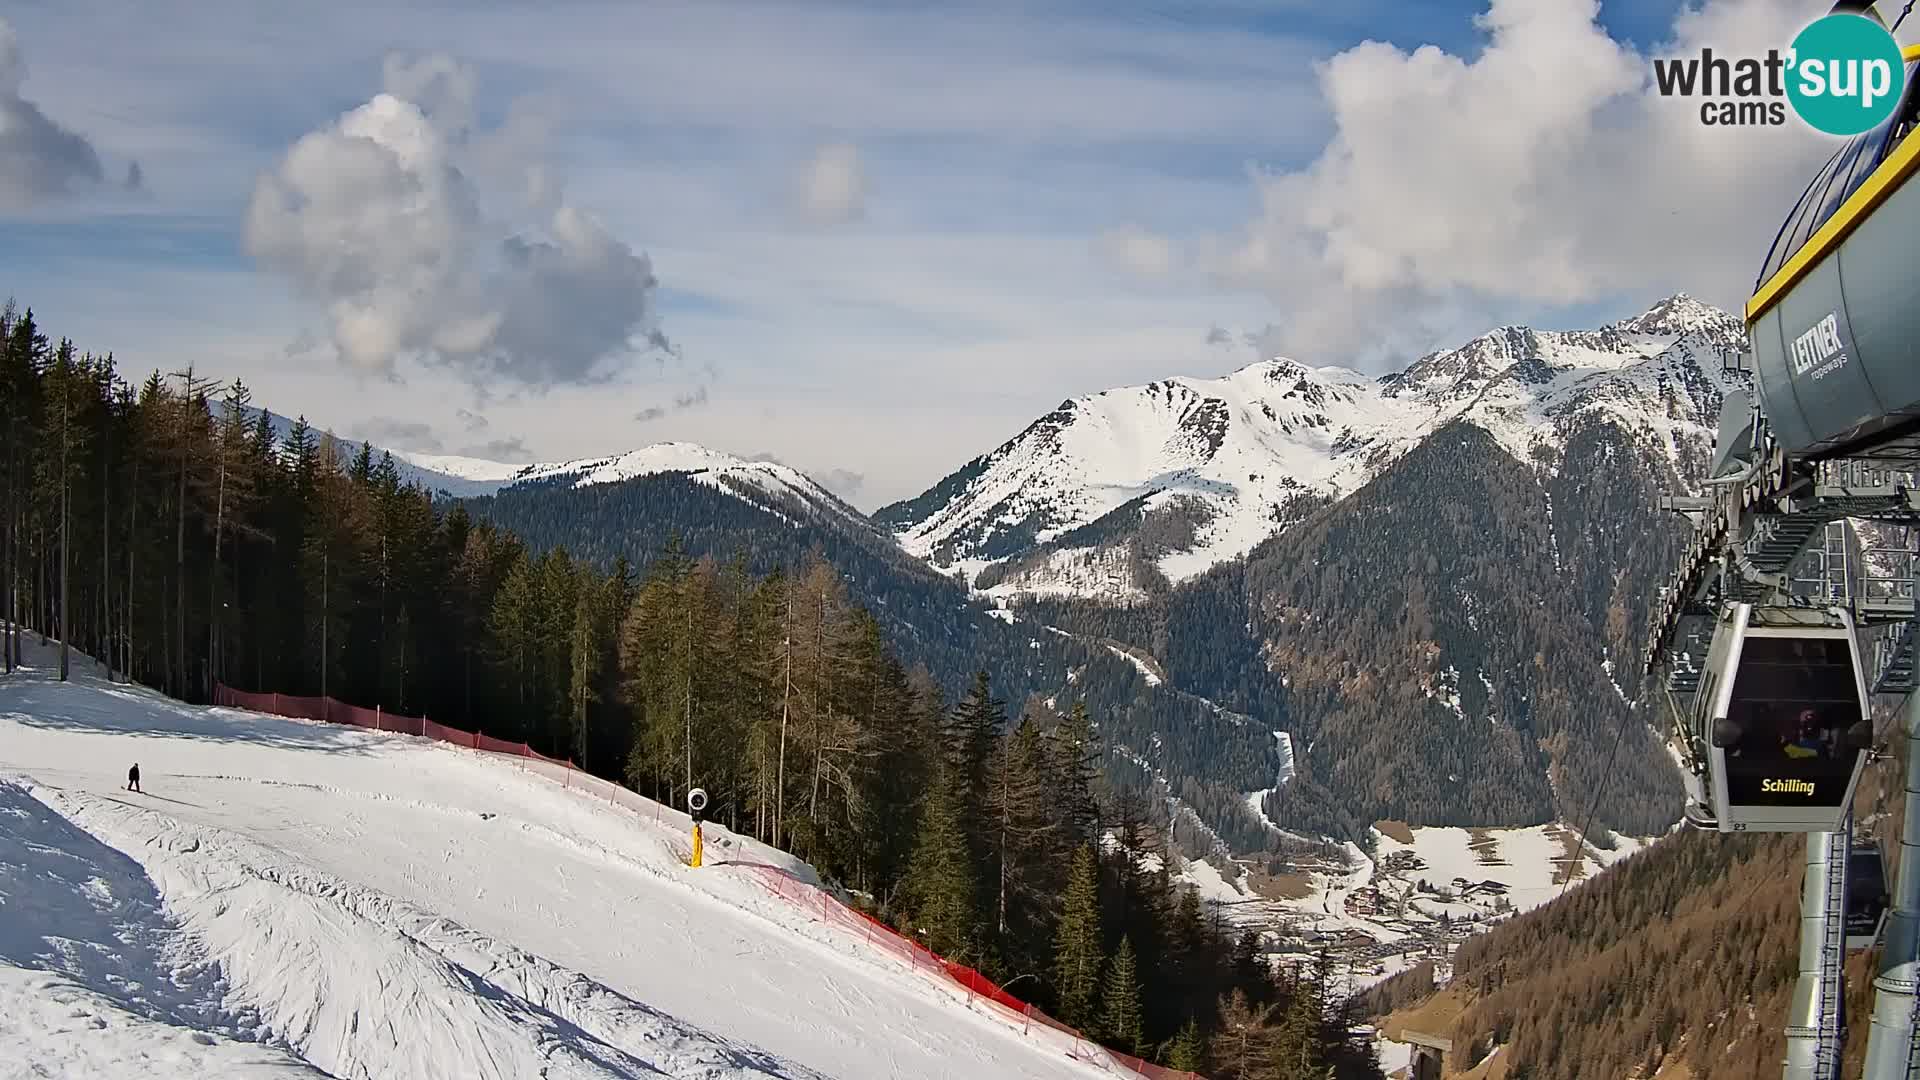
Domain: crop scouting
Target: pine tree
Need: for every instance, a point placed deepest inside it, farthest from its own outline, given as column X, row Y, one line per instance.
column 1077, row 951
column 1187, row 1051
column 585, row 655
column 1242, row 1045
column 1075, row 755
column 1022, row 827
column 1120, row 1000
column 941, row 878
column 64, row 405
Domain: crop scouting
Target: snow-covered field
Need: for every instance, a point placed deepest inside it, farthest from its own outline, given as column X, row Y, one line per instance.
column 1374, row 909
column 297, row 899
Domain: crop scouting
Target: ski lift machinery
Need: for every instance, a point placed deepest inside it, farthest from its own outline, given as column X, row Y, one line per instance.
column 1777, row 733
column 1780, row 729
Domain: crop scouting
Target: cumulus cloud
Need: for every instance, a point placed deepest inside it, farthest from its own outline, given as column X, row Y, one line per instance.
column 1137, row 250
column 427, row 239
column 1544, row 170
column 681, row 402
column 40, row 160
column 833, row 185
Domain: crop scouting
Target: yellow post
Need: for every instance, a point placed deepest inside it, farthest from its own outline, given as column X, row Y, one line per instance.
column 697, row 844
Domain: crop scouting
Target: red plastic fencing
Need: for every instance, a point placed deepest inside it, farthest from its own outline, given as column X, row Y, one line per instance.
column 330, row 711
column 978, row 990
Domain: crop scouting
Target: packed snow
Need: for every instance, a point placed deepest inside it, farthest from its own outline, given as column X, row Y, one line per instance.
column 288, row 898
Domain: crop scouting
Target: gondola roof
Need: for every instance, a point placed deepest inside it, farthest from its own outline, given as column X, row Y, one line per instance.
column 1856, row 179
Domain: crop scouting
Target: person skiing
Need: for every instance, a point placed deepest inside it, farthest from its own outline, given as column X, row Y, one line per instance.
column 133, row 777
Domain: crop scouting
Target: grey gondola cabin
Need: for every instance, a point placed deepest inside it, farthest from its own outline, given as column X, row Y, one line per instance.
column 1780, row 725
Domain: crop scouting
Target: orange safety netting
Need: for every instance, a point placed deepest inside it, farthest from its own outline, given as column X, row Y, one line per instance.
column 330, row 711
column 979, row 991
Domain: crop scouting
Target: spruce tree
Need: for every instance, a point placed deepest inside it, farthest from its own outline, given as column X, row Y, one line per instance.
column 1241, row 1048
column 1120, row 1000
column 941, row 878
column 1075, row 755
column 1187, row 1051
column 1077, row 952
column 1022, row 825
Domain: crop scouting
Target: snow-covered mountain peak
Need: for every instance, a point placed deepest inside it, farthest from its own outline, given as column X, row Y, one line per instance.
column 1208, row 468
column 667, row 457
column 1679, row 315
column 754, row 480
column 769, row 484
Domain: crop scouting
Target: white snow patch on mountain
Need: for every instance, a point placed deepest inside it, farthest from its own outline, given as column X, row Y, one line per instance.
column 1227, row 461
column 1145, row 671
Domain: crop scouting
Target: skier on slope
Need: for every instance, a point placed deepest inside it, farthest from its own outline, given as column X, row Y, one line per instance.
column 133, row 777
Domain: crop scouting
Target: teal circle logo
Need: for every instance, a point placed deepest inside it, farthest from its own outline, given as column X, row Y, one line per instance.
column 1846, row 74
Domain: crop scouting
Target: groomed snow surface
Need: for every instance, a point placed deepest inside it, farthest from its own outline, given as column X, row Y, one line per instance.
column 294, row 899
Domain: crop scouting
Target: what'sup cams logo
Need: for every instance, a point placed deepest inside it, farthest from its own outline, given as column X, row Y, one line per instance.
column 1842, row 75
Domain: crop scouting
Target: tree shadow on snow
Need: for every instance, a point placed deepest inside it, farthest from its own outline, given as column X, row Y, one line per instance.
column 91, row 706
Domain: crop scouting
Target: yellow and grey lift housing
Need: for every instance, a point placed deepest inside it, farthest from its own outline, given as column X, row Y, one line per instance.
column 1835, row 313
column 1779, row 730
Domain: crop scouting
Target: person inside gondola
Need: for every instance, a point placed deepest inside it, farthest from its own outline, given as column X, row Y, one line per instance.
column 1804, row 740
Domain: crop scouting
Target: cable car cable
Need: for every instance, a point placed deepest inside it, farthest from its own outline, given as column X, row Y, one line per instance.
column 1598, row 793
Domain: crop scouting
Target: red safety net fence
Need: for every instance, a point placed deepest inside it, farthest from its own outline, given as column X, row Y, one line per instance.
column 977, row 991
column 328, row 710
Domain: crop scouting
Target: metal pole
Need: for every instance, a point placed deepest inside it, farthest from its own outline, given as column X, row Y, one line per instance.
column 1816, row 991
column 1890, row 1042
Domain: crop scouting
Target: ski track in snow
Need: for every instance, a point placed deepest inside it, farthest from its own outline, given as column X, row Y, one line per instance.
column 297, row 899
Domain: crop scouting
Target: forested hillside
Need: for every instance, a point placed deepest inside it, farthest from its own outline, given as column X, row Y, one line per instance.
column 1209, row 760
column 1443, row 643
column 159, row 529
column 1685, row 953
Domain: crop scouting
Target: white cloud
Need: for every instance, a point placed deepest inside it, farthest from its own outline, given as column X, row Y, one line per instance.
column 1138, row 250
column 39, row 160
column 1544, row 171
column 833, row 187
column 385, row 217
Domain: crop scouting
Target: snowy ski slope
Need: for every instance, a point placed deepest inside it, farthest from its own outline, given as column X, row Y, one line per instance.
column 297, row 899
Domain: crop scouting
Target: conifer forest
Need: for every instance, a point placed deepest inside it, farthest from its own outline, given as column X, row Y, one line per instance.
column 157, row 527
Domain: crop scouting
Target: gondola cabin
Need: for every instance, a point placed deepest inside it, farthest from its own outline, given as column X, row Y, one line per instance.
column 1866, row 908
column 1782, row 712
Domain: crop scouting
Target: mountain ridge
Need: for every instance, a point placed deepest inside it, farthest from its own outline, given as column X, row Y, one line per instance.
column 1201, row 471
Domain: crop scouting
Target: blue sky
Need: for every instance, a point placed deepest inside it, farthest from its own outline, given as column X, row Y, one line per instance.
column 883, row 237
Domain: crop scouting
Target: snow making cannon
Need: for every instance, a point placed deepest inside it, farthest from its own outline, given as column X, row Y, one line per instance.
column 1834, row 319
column 1779, row 730
column 697, row 810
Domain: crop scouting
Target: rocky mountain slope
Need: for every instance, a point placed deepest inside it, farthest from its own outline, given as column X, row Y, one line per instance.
column 1119, row 495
